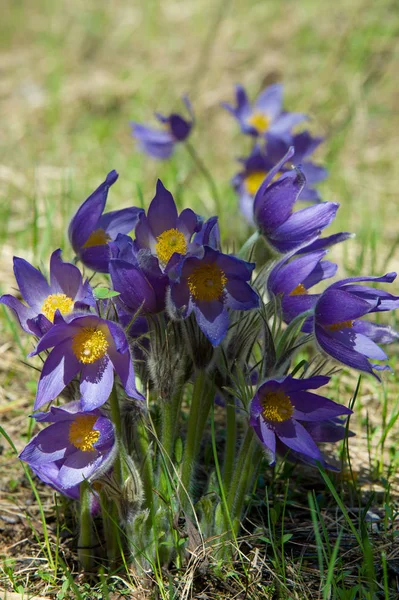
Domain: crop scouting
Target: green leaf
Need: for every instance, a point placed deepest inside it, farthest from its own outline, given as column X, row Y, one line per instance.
column 102, row 293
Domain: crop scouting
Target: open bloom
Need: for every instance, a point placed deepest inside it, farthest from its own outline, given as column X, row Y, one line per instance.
column 90, row 346
column 283, row 229
column 281, row 406
column 266, row 116
column 263, row 159
column 91, row 232
column 162, row 232
column 339, row 329
column 208, row 286
column 66, row 292
column 291, row 280
column 77, row 446
column 160, row 143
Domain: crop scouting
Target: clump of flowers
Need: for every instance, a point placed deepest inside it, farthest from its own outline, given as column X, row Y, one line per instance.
column 173, row 327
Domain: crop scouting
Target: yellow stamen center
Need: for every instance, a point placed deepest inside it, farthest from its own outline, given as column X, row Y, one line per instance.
column 299, row 290
column 62, row 302
column 259, row 121
column 207, row 282
column 253, row 181
column 81, row 433
column 169, row 242
column 98, row 237
column 89, row 345
column 277, row 407
column 340, row 325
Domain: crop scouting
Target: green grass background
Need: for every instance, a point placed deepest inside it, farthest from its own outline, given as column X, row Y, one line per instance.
column 73, row 74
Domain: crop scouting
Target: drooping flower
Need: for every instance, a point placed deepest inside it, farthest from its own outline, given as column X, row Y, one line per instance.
column 283, row 229
column 66, row 292
column 281, row 407
column 266, row 116
column 91, row 232
column 77, row 446
column 341, row 333
column 160, row 143
column 291, row 280
column 263, row 159
column 208, row 286
column 91, row 346
column 162, row 232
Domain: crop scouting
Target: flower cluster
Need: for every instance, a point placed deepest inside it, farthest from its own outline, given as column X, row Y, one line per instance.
column 179, row 312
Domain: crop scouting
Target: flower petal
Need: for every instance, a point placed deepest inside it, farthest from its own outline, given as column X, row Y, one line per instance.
column 295, row 436
column 59, row 369
column 312, row 407
column 84, row 222
column 120, row 221
column 162, row 212
column 96, row 383
column 32, row 283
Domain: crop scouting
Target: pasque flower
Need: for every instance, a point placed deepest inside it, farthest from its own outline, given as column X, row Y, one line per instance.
column 160, row 143
column 263, row 158
column 91, row 346
column 283, row 229
column 292, row 279
column 338, row 326
column 281, row 407
column 77, row 446
column 91, row 232
column 66, row 292
column 266, row 116
column 162, row 232
column 208, row 286
column 140, row 286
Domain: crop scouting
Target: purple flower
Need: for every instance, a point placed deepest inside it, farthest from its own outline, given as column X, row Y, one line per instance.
column 91, row 232
column 266, row 116
column 77, row 446
column 66, row 292
column 284, row 229
column 279, row 408
column 160, row 143
column 90, row 346
column 291, row 280
column 262, row 160
column 162, row 232
column 338, row 329
column 209, row 286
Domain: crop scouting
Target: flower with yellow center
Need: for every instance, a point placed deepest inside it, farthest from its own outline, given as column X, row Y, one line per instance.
column 54, row 302
column 277, row 407
column 169, row 242
column 81, row 433
column 89, row 344
column 98, row 237
column 207, row 282
column 259, row 121
column 299, row 290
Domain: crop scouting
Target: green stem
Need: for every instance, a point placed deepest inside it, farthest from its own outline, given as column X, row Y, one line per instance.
column 201, row 401
column 251, row 465
column 85, row 532
column 147, row 470
column 170, row 418
column 207, row 176
column 116, row 419
column 247, row 246
column 231, row 438
column 239, row 469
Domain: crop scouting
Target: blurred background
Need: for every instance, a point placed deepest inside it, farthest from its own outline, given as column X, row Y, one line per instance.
column 73, row 74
